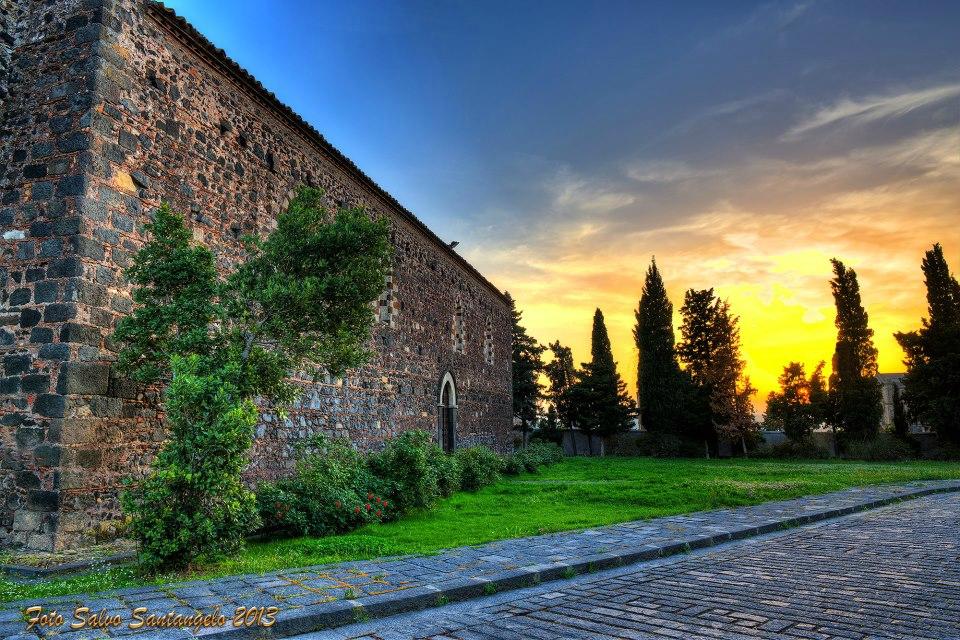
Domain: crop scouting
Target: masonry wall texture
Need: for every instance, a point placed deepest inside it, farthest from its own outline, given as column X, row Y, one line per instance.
column 108, row 108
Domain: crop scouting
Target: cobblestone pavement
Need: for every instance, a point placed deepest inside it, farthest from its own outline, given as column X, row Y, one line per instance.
column 331, row 595
column 888, row 573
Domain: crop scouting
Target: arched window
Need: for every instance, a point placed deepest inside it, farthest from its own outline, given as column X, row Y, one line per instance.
column 447, row 413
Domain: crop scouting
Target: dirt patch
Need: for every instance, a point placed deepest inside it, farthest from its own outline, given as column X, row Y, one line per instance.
column 43, row 559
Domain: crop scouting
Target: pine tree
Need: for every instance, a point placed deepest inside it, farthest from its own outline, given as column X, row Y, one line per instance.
column 659, row 393
column 562, row 375
column 710, row 352
column 731, row 391
column 855, row 396
column 604, row 407
column 527, row 365
column 696, row 334
column 932, row 382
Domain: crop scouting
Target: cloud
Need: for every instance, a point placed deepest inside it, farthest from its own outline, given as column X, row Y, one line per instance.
column 579, row 194
column 849, row 112
column 772, row 17
column 665, row 171
column 761, row 231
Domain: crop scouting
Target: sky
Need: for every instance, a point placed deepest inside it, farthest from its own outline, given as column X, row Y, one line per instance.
column 564, row 144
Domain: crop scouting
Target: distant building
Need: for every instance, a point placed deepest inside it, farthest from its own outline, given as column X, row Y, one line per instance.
column 888, row 383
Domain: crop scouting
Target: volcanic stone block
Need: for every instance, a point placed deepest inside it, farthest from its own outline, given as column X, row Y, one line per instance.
column 81, row 333
column 49, row 405
column 47, row 455
column 84, row 378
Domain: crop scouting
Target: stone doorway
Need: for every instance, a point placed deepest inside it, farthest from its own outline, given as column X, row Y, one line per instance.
column 447, row 413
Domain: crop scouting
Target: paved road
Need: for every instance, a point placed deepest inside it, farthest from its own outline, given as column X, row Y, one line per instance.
column 889, row 573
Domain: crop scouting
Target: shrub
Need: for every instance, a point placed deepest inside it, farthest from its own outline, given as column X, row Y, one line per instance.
column 447, row 469
column 332, row 492
column 409, row 470
column 805, row 449
column 884, row 446
column 529, row 461
column 536, row 455
column 512, row 465
column 479, row 467
column 546, row 453
column 193, row 503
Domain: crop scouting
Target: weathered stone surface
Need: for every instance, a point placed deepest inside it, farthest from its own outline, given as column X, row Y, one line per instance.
column 871, row 575
column 93, row 141
column 83, row 378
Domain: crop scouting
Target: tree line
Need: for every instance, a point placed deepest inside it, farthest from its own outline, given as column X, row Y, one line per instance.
column 695, row 390
column 850, row 401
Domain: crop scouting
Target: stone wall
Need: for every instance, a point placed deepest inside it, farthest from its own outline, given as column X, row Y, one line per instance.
column 122, row 105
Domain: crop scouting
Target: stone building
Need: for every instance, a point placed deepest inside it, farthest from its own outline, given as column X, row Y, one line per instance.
column 109, row 107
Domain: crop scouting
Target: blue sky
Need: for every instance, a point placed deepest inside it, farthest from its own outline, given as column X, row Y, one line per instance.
column 564, row 143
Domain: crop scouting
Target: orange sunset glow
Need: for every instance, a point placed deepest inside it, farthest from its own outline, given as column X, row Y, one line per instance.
column 770, row 259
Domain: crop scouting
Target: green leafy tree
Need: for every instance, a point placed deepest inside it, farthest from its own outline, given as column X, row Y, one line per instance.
column 660, row 393
column 932, row 382
column 792, row 409
column 604, row 408
column 855, row 396
column 527, row 366
column 563, row 376
column 216, row 343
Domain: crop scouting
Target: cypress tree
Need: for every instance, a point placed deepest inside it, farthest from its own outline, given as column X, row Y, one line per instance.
column 658, row 371
column 855, row 396
column 605, row 407
column 819, row 396
column 932, row 382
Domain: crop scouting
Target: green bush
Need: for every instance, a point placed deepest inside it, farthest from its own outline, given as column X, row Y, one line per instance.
column 447, row 469
column 882, row 447
column 409, row 469
column 332, row 492
column 545, row 453
column 529, row 461
column 806, row 449
column 536, row 455
column 512, row 465
column 193, row 504
column 479, row 467
column 336, row 489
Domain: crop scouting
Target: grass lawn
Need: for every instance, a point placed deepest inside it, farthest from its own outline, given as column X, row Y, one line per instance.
column 575, row 494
